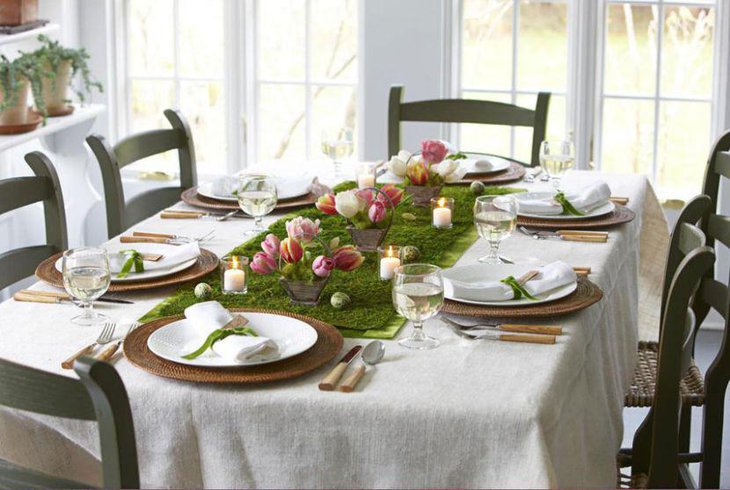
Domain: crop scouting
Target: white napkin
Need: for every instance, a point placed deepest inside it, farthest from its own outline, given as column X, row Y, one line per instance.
column 224, row 186
column 288, row 186
column 176, row 256
column 551, row 276
column 584, row 200
column 483, row 165
column 210, row 315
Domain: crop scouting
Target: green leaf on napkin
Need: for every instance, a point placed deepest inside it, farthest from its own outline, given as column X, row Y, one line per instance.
column 456, row 156
column 215, row 336
column 567, row 206
column 135, row 259
column 517, row 288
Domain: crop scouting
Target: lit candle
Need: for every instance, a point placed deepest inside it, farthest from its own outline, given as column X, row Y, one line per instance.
column 441, row 214
column 234, row 275
column 388, row 263
column 365, row 180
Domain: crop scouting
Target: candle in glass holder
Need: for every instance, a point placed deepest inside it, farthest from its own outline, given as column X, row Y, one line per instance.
column 442, row 209
column 234, row 275
column 389, row 261
column 365, row 175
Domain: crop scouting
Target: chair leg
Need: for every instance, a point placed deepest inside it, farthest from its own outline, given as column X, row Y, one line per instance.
column 685, row 430
column 712, row 428
column 641, row 446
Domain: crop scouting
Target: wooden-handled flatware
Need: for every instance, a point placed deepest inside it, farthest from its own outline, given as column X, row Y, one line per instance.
column 567, row 235
column 582, row 271
column 526, row 338
column 619, row 200
column 181, row 215
column 371, row 355
column 509, row 327
column 34, row 296
column 104, row 337
column 109, row 352
column 328, row 382
column 144, row 239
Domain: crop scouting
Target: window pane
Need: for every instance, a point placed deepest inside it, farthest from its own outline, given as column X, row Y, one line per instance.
column 484, row 137
column 628, row 136
column 630, row 66
column 555, row 125
column 201, row 38
column 280, row 35
column 687, row 52
column 151, row 41
column 486, row 48
column 281, row 121
column 333, row 37
column 149, row 100
column 684, row 129
column 203, row 107
column 332, row 108
column 542, row 59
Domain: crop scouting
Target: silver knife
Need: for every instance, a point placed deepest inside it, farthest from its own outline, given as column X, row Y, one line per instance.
column 328, row 382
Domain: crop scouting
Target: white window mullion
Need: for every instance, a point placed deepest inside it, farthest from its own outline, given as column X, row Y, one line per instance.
column 176, row 50
column 657, row 89
column 513, row 91
column 307, row 80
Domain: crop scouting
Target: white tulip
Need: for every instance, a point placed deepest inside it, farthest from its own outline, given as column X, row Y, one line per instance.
column 451, row 171
column 348, row 204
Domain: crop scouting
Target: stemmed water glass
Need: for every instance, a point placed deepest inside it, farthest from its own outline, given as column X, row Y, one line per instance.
column 257, row 197
column 556, row 158
column 86, row 277
column 495, row 218
column 337, row 145
column 418, row 294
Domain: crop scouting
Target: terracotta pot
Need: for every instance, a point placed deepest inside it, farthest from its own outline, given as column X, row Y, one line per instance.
column 367, row 240
column 16, row 12
column 55, row 92
column 422, row 195
column 304, row 292
column 17, row 113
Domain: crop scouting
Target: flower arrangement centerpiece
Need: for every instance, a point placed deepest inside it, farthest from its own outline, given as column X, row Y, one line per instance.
column 424, row 174
column 303, row 260
column 369, row 212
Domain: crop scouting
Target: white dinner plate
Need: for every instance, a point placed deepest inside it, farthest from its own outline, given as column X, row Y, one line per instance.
column 152, row 270
column 497, row 272
column 498, row 164
column 178, row 338
column 284, row 189
column 602, row 210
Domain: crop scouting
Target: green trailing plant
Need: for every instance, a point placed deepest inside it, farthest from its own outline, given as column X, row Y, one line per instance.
column 12, row 74
column 53, row 54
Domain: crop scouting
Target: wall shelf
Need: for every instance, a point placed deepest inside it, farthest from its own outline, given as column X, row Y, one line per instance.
column 21, row 36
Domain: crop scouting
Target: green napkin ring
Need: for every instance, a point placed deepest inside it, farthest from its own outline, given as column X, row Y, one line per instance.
column 135, row 259
column 567, row 206
column 219, row 334
column 517, row 288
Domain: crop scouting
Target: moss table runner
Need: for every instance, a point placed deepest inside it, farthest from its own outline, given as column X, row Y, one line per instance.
column 371, row 313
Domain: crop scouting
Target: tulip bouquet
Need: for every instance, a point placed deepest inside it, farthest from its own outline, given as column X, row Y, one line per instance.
column 303, row 260
column 435, row 165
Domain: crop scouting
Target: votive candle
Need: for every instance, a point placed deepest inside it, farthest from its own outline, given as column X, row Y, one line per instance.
column 234, row 276
column 442, row 209
column 389, row 261
column 365, row 175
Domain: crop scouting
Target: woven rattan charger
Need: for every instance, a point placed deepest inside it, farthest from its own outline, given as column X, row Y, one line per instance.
column 192, row 197
column 328, row 345
column 514, row 173
column 620, row 214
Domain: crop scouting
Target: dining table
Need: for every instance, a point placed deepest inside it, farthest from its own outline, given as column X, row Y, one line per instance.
column 466, row 414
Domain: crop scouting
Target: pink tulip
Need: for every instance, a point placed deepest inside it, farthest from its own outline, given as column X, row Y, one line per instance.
column 291, row 251
column 326, row 204
column 376, row 213
column 347, row 258
column 322, row 266
column 302, row 229
column 271, row 245
column 433, row 151
column 367, row 196
column 394, row 193
column 417, row 173
column 263, row 263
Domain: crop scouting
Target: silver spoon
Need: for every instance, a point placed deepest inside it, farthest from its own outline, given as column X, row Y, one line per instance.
column 371, row 355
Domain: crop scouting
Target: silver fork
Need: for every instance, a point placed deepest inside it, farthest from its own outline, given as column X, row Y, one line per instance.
column 104, row 338
column 107, row 353
column 532, row 234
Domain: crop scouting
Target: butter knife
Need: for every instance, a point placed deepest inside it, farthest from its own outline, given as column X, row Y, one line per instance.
column 328, row 382
column 34, row 296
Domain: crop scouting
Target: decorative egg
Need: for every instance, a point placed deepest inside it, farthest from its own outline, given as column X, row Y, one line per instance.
column 203, row 291
column 340, row 300
column 410, row 254
column 477, row 188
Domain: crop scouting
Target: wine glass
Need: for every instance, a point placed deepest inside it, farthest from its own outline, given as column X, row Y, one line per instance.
column 556, row 158
column 257, row 197
column 418, row 294
column 495, row 218
column 86, row 277
column 336, row 145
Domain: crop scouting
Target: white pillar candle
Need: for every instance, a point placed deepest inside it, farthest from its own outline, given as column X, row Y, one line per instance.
column 365, row 181
column 388, row 266
column 234, row 280
column 441, row 217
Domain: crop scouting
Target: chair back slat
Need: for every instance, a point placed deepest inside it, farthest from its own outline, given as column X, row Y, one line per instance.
column 722, row 164
column 714, row 294
column 690, row 237
column 718, row 228
column 20, row 263
column 22, row 191
column 711, row 184
column 146, row 144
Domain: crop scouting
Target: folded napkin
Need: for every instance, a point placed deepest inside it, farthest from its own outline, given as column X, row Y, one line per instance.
column 584, row 200
column 176, row 256
column 224, row 186
column 211, row 315
column 293, row 185
column 550, row 276
column 483, row 165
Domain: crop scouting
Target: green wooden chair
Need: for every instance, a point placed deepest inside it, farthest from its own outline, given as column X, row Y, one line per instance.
column 120, row 215
column 467, row 111
column 99, row 395
column 21, row 191
column 660, row 455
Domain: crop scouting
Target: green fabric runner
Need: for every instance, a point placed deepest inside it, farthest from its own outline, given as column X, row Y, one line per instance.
column 371, row 313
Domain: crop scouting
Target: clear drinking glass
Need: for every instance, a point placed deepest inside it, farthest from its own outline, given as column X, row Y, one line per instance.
column 86, row 277
column 556, row 158
column 257, row 197
column 337, row 145
column 418, row 294
column 495, row 218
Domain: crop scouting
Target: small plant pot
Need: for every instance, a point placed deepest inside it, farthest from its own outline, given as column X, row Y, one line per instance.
column 367, row 240
column 422, row 194
column 55, row 92
column 304, row 292
column 18, row 113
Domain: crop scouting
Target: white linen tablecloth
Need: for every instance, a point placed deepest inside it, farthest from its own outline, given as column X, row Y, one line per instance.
column 468, row 414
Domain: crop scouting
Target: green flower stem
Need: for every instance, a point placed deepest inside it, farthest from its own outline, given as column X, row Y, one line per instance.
column 518, row 289
column 567, row 206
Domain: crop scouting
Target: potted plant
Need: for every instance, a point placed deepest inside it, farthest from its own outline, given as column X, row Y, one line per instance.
column 424, row 174
column 369, row 213
column 62, row 65
column 16, row 77
column 303, row 261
